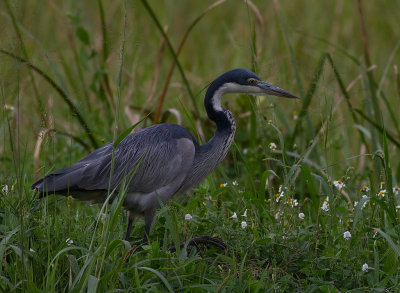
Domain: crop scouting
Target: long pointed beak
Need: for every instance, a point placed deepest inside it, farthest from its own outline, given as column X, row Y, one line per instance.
column 270, row 89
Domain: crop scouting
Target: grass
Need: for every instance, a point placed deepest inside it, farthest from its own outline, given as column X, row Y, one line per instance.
column 76, row 76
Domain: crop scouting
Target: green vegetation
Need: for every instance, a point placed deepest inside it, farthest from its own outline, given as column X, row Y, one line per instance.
column 76, row 75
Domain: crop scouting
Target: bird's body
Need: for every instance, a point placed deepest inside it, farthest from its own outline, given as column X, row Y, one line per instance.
column 159, row 161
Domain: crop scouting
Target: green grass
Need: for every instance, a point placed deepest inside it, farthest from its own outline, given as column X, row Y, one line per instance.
column 79, row 75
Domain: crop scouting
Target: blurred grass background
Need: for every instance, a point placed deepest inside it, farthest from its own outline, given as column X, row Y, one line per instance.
column 341, row 127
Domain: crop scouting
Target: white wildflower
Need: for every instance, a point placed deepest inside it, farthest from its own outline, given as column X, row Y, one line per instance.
column 188, row 217
column 244, row 224
column 295, row 116
column 325, row 205
column 234, row 216
column 347, row 235
column 365, row 267
column 381, row 184
column 293, row 202
column 396, row 190
column 281, row 188
column 235, row 183
column 69, row 241
column 5, row 189
column 245, row 214
column 279, row 196
column 366, row 200
column 277, row 215
column 365, row 188
column 301, row 216
column 381, row 193
column 9, row 107
column 223, row 185
column 272, row 146
column 339, row 184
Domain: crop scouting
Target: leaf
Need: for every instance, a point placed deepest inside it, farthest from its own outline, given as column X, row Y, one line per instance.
column 82, row 35
column 392, row 245
column 158, row 274
column 92, row 284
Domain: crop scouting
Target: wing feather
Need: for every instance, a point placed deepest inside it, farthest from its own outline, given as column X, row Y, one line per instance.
column 148, row 159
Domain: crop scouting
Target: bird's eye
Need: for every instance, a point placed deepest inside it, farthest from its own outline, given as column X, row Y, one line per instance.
column 252, row 81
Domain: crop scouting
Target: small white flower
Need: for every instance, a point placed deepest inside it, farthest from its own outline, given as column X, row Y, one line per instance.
column 381, row 184
column 188, row 217
column 31, row 250
column 234, row 216
column 398, row 207
column 339, row 184
column 272, row 146
column 245, row 214
column 223, row 185
column 366, row 200
column 244, row 224
column 365, row 267
column 295, row 116
column 301, row 216
column 69, row 241
column 365, row 188
column 396, row 190
column 245, row 151
column 347, row 235
column 235, row 183
column 277, row 215
column 355, row 203
column 9, row 107
column 5, row 189
column 375, row 233
column 325, row 205
column 281, row 188
column 381, row 193
column 293, row 202
column 279, row 196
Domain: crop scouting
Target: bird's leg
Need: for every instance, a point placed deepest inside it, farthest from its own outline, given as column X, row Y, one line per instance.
column 148, row 220
column 130, row 222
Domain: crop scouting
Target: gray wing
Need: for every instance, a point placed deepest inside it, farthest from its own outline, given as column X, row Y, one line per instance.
column 148, row 159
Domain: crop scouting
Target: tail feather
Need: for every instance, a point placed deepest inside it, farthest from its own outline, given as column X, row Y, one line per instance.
column 60, row 181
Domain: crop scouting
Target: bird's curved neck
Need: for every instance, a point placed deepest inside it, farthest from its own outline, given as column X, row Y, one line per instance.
column 216, row 149
column 222, row 117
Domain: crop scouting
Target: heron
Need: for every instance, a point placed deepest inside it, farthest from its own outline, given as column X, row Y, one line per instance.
column 162, row 159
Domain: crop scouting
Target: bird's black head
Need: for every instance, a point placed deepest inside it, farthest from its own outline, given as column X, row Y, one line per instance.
column 247, row 82
column 236, row 81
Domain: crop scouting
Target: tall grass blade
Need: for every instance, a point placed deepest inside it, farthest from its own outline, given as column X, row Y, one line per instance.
column 392, row 245
column 290, row 47
column 127, row 131
column 181, row 44
column 174, row 55
column 160, row 276
column 74, row 110
column 312, row 189
column 378, row 127
column 25, row 54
